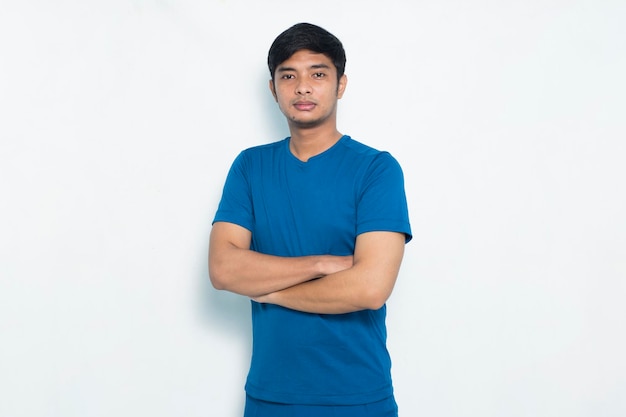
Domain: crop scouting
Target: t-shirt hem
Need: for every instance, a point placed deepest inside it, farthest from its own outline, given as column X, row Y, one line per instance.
column 309, row 399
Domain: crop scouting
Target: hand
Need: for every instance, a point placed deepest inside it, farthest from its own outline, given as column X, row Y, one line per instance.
column 328, row 264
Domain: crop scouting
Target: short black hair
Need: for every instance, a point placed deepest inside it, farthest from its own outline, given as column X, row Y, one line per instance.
column 306, row 36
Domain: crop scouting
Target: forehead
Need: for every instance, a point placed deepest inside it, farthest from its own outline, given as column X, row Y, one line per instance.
column 306, row 59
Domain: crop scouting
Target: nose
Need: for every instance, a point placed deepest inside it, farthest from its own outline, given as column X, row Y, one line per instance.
column 303, row 87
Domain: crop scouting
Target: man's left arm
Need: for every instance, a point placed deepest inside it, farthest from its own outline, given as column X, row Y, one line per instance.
column 366, row 285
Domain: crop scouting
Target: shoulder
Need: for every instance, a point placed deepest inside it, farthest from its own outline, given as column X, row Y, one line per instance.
column 351, row 145
column 373, row 156
column 265, row 148
column 252, row 156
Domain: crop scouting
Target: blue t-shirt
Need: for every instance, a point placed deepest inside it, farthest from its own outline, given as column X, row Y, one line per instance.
column 296, row 208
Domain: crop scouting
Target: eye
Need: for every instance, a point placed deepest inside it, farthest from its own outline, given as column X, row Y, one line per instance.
column 319, row 75
column 287, row 77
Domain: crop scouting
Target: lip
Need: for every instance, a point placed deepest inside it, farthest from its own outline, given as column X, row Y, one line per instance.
column 304, row 105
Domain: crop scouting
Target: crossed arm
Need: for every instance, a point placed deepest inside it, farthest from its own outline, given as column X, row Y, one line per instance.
column 324, row 284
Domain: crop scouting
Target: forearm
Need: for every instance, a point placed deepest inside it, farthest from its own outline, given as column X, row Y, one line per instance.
column 343, row 292
column 236, row 268
column 250, row 273
column 366, row 285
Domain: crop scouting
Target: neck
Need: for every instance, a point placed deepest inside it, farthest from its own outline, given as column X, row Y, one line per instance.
column 306, row 143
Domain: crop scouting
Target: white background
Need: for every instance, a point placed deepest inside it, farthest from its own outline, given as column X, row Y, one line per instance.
column 119, row 120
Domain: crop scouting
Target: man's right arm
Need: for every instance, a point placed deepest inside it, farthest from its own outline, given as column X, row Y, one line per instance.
column 234, row 267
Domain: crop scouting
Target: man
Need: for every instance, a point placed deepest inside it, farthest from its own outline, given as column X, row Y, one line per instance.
column 312, row 228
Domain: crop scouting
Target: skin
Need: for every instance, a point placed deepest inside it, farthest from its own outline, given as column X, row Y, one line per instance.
column 307, row 89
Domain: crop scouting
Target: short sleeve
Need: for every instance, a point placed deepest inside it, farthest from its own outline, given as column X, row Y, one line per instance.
column 236, row 203
column 382, row 204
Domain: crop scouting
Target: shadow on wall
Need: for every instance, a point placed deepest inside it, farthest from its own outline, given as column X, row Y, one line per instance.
column 275, row 122
column 228, row 312
column 226, row 316
column 223, row 311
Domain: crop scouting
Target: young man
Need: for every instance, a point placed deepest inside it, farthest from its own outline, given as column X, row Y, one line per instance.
column 312, row 228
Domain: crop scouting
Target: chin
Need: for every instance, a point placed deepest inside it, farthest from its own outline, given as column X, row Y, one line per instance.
column 306, row 123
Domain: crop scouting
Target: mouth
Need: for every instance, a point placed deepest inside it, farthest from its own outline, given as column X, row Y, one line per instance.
column 304, row 105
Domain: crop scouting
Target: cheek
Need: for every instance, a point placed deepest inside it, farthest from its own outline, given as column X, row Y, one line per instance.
column 283, row 105
column 281, row 96
column 282, row 102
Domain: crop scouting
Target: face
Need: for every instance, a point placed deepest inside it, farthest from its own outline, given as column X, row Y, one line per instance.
column 306, row 89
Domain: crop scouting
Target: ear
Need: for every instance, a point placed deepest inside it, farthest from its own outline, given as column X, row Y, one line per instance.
column 341, row 86
column 273, row 90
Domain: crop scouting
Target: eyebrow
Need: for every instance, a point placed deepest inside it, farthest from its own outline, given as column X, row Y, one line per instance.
column 315, row 66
